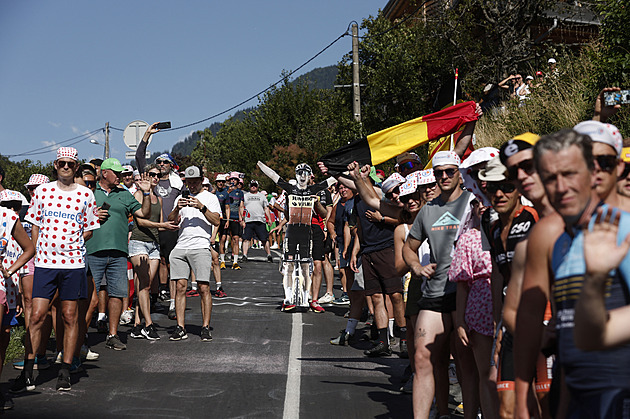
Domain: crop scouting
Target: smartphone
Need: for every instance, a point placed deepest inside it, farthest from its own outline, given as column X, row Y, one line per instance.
column 621, row 97
column 105, row 206
column 185, row 193
column 163, row 125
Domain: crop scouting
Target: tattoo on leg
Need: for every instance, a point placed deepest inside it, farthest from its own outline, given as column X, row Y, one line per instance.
column 422, row 332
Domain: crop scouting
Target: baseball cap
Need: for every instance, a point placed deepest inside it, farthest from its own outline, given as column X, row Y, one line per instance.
column 112, row 164
column 494, row 171
column 551, row 61
column 127, row 169
column 529, row 78
column 392, row 181
column 192, row 172
column 442, row 158
column 221, row 177
column 253, row 182
column 206, row 181
column 519, row 143
column 67, row 153
column 37, row 179
column 601, row 133
column 539, row 73
column 406, row 156
column 96, row 162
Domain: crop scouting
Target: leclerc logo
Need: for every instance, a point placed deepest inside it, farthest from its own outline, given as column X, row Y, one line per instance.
column 446, row 222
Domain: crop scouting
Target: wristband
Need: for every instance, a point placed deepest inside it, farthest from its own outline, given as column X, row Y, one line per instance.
column 203, row 209
column 9, row 272
column 382, row 219
column 146, row 193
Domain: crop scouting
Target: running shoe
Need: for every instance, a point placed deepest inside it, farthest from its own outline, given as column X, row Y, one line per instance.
column 59, row 357
column 172, row 315
column 380, row 349
column 342, row 339
column 88, row 354
column 126, row 317
column 275, row 246
column 136, row 332
column 342, row 300
column 63, row 381
column 41, row 363
column 235, row 266
column 163, row 295
column 314, row 305
column 5, row 403
column 114, row 342
column 244, row 258
column 222, row 265
column 269, row 258
column 102, row 326
column 326, row 298
column 76, row 366
column 408, row 386
column 452, row 373
column 192, row 293
column 22, row 383
column 288, row 307
column 179, row 334
column 220, row 293
column 150, row 333
column 206, row 336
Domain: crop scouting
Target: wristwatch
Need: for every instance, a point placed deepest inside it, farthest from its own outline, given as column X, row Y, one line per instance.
column 203, row 209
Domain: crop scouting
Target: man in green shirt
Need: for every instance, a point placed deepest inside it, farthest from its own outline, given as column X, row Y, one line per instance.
column 107, row 251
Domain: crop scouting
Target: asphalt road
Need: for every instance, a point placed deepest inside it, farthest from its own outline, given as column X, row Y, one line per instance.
column 261, row 363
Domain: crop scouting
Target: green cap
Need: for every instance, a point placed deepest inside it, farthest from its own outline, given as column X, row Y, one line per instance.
column 112, row 164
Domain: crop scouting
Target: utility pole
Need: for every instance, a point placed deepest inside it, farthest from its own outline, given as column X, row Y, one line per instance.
column 355, row 73
column 107, row 140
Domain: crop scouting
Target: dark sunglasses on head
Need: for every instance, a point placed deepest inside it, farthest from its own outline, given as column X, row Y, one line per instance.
column 440, row 172
column 526, row 166
column 606, row 162
column 153, row 174
column 405, row 198
column 90, row 183
column 62, row 163
column 505, row 187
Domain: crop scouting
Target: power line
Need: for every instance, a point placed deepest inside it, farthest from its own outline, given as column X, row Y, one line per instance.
column 46, row 149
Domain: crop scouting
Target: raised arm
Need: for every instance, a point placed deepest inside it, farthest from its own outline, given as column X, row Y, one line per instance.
column 367, row 192
column 268, row 171
column 141, row 151
column 466, row 137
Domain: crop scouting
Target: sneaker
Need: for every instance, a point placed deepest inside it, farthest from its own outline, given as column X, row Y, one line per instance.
column 87, row 354
column 41, row 363
column 342, row 339
column 326, row 298
column 163, row 295
column 63, row 381
column 22, row 383
column 244, row 258
column 150, row 333
column 172, row 315
column 452, row 373
column 192, row 293
column 275, row 246
column 408, row 386
column 220, row 293
column 287, row 307
column 114, row 342
column 136, row 332
column 126, row 317
column 206, row 336
column 314, row 305
column 179, row 334
column 76, row 365
column 402, row 351
column 5, row 403
column 370, row 319
column 102, row 326
column 269, row 258
column 222, row 265
column 59, row 357
column 235, row 266
column 380, row 349
column 342, row 300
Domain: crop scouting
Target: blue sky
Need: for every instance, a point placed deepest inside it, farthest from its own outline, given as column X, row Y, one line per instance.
column 68, row 67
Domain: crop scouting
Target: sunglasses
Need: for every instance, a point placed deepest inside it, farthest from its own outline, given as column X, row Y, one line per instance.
column 408, row 165
column 153, row 174
column 526, row 166
column 505, row 187
column 423, row 188
column 162, row 162
column 62, row 163
column 606, row 162
column 390, row 195
column 90, row 183
column 406, row 198
column 626, row 171
column 440, row 172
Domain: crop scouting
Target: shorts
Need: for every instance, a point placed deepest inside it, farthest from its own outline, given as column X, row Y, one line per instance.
column 414, row 293
column 235, row 228
column 444, row 304
column 137, row 248
column 606, row 404
column 168, row 240
column 297, row 243
column 111, row 264
column 71, row 283
column 328, row 245
column 505, row 370
column 271, row 226
column 255, row 228
column 8, row 319
column 222, row 230
column 359, row 280
column 183, row 260
column 344, row 263
column 318, row 250
column 379, row 272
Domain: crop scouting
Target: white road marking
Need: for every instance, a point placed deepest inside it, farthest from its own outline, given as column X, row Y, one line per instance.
column 294, row 371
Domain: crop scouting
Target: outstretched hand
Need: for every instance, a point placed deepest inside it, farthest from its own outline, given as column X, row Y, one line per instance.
column 603, row 112
column 601, row 252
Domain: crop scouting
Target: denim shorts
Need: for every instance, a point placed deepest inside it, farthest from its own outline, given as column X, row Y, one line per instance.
column 137, row 248
column 113, row 266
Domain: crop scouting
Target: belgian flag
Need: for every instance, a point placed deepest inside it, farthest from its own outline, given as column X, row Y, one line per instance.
column 383, row 145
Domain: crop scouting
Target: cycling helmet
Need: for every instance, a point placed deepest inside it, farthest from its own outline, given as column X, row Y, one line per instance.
column 303, row 167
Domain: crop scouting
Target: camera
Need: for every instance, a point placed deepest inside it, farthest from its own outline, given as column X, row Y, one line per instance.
column 621, row 97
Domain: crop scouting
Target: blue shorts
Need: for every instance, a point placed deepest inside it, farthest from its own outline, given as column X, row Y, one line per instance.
column 71, row 283
column 9, row 318
column 256, row 228
column 137, row 248
column 113, row 266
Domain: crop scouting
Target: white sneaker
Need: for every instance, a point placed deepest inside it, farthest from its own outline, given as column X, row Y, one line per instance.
column 326, row 298
column 126, row 317
column 88, row 354
column 275, row 246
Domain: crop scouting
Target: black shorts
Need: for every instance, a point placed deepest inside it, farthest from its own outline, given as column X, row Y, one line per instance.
column 414, row 293
column 168, row 240
column 318, row 242
column 444, row 304
column 222, row 229
column 506, row 359
column 379, row 273
column 297, row 243
column 329, row 249
column 256, row 228
column 235, row 229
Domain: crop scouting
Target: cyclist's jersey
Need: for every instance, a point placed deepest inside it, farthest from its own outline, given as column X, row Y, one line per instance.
column 300, row 202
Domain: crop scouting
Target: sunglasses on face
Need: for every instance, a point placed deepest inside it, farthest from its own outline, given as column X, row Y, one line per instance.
column 423, row 188
column 90, row 183
column 62, row 163
column 408, row 165
column 153, row 174
column 606, row 162
column 440, row 172
column 162, row 162
column 406, row 198
column 390, row 195
column 505, row 187
column 526, row 166
column 626, row 171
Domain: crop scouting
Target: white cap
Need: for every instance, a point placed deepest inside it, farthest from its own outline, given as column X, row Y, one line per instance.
column 551, row 61
column 392, row 181
column 443, row 158
column 601, row 133
column 529, row 78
